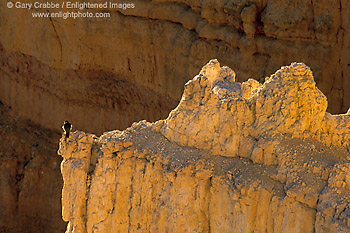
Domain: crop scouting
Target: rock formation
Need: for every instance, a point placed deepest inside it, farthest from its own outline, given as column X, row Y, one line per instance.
column 242, row 157
column 104, row 74
column 143, row 56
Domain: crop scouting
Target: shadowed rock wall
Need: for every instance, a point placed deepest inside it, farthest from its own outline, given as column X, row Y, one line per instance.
column 30, row 179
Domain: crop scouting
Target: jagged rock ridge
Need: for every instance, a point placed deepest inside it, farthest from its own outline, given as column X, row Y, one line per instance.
column 242, row 157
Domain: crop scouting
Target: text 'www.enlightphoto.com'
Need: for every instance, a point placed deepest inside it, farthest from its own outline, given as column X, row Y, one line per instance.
column 73, row 10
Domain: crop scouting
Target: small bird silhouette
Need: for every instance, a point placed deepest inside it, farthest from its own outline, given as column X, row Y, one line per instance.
column 67, row 127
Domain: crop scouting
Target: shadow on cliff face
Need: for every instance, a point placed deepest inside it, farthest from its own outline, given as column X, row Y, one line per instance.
column 93, row 99
column 30, row 182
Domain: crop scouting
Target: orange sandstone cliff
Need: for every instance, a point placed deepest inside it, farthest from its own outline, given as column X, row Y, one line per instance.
column 231, row 157
column 103, row 74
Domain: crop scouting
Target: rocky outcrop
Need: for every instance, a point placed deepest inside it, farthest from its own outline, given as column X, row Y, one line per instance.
column 143, row 56
column 245, row 156
column 239, row 114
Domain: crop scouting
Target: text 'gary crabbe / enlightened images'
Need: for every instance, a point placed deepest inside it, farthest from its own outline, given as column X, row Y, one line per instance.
column 70, row 5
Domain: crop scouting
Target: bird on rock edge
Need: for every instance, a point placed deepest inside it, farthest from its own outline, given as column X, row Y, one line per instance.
column 67, row 127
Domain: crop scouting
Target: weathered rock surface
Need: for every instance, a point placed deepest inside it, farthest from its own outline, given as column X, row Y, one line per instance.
column 104, row 74
column 242, row 157
column 158, row 46
column 30, row 180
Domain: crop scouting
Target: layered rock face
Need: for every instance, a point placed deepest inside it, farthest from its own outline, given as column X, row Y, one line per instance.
column 143, row 56
column 232, row 157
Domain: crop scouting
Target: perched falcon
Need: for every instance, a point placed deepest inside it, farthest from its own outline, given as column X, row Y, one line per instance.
column 67, row 127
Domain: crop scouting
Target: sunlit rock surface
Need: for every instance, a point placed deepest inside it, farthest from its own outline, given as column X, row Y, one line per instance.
column 232, row 157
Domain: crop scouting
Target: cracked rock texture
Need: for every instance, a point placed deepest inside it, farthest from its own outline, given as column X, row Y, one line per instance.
column 142, row 57
column 232, row 157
